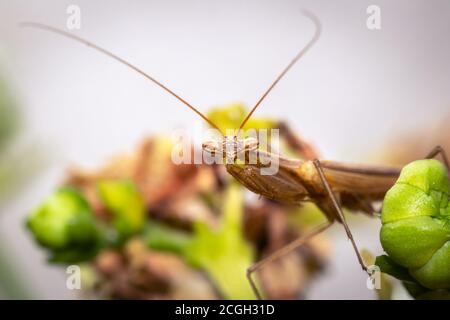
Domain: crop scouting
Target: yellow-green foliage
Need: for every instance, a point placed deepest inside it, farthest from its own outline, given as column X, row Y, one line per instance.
column 224, row 253
column 231, row 116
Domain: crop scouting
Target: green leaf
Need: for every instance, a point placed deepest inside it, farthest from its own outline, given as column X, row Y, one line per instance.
column 163, row 238
column 224, row 253
column 387, row 265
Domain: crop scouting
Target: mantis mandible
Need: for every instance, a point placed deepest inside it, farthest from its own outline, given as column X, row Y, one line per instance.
column 330, row 185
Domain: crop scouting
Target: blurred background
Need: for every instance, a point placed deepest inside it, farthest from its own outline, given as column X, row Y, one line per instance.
column 358, row 95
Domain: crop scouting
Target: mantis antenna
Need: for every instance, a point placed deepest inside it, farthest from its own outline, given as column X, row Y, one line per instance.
column 117, row 58
column 305, row 49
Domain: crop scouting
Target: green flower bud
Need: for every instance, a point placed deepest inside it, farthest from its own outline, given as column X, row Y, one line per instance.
column 64, row 223
column 416, row 223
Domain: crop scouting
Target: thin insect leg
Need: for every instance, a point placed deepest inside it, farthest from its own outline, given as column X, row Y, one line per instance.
column 439, row 150
column 281, row 252
column 339, row 211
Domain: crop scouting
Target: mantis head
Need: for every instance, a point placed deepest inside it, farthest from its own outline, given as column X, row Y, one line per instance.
column 230, row 146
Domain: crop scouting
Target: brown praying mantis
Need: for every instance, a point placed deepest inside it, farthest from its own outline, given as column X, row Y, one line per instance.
column 331, row 185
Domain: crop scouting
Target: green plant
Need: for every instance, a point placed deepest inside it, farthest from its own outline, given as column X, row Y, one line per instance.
column 223, row 253
column 416, row 228
column 231, row 116
column 125, row 203
column 65, row 225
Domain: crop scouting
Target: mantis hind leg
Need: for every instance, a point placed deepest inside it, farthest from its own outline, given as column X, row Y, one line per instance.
column 338, row 208
column 281, row 252
column 439, row 150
